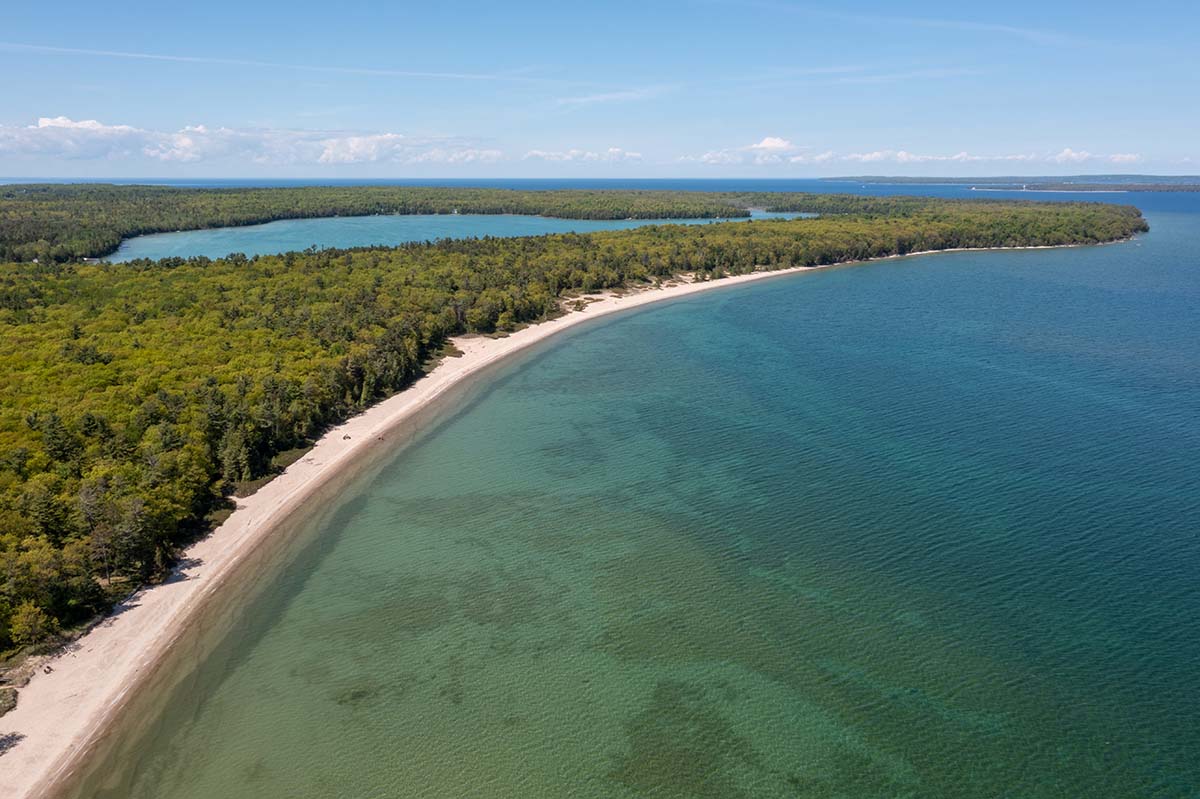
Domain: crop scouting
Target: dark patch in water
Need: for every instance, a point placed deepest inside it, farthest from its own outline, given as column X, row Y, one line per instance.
column 357, row 696
column 500, row 601
column 255, row 772
column 453, row 690
column 680, row 746
column 845, row 773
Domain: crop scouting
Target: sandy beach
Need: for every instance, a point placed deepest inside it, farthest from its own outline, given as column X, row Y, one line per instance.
column 65, row 711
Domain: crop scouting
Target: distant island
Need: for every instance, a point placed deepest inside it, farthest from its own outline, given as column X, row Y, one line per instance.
column 1089, row 183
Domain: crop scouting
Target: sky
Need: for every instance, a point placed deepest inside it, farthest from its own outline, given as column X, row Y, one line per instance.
column 669, row 88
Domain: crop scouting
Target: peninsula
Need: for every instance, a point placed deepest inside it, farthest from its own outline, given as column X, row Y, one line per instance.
column 139, row 397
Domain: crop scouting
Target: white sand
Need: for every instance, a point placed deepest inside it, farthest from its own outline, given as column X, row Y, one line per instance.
column 60, row 714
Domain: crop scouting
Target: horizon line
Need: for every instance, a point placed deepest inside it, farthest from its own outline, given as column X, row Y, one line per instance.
column 97, row 179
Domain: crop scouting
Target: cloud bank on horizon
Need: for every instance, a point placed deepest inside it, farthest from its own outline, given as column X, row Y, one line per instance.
column 64, row 138
column 760, row 88
column 91, row 140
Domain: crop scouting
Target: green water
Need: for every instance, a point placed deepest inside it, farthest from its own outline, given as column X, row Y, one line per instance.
column 924, row 528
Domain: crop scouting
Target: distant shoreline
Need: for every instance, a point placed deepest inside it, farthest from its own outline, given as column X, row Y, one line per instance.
column 1051, row 191
column 1077, row 184
column 68, row 718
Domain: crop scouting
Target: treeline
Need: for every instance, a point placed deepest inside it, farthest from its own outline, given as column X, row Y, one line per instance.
column 136, row 395
column 48, row 222
column 65, row 222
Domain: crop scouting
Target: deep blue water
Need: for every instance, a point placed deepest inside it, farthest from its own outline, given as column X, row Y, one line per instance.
column 920, row 528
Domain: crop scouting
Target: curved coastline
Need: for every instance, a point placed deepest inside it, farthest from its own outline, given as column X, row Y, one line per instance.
column 68, row 719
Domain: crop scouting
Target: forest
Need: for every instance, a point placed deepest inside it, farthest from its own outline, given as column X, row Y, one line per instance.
column 63, row 222
column 50, row 222
column 136, row 397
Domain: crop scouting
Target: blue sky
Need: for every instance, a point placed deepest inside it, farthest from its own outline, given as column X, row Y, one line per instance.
column 695, row 88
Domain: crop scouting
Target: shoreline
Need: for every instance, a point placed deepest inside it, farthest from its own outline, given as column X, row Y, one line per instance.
column 1055, row 191
column 64, row 716
column 680, row 220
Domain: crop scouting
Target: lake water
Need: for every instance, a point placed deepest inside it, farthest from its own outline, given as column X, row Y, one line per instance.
column 920, row 528
column 362, row 231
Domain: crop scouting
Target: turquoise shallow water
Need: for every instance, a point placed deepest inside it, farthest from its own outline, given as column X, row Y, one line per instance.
column 364, row 231
column 919, row 528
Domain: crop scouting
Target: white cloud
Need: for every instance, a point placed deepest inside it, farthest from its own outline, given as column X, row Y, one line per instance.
column 199, row 142
column 612, row 154
column 775, row 150
column 64, row 138
column 181, row 146
column 1069, row 156
column 617, row 154
column 357, row 149
column 470, row 155
column 867, row 158
column 83, row 124
column 818, row 158
column 720, row 157
column 768, row 150
column 552, row 155
column 771, row 150
column 772, row 143
column 961, row 157
column 905, row 157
